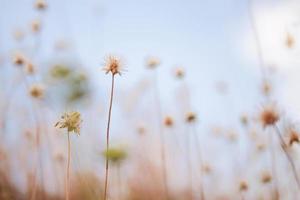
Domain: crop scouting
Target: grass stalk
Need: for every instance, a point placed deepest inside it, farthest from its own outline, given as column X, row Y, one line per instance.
column 107, row 135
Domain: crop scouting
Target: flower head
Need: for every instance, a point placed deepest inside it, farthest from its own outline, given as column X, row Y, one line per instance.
column 40, row 5
column 266, row 177
column 266, row 88
column 290, row 41
column 179, row 73
column 269, row 116
column 293, row 136
column 29, row 68
column 19, row 59
column 152, row 62
column 113, row 65
column 36, row 25
column 116, row 155
column 168, row 121
column 60, row 71
column 37, row 91
column 190, row 117
column 243, row 186
column 244, row 119
column 71, row 121
column 18, row 35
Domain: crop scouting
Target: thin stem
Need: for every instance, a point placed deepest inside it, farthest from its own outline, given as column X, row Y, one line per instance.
column 284, row 148
column 39, row 149
column 198, row 148
column 257, row 39
column 33, row 194
column 189, row 164
column 273, row 166
column 107, row 134
column 162, row 138
column 68, row 170
column 119, row 180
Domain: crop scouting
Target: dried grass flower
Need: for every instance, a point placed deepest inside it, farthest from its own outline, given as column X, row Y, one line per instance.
column 115, row 155
column 29, row 68
column 179, row 73
column 243, row 186
column 37, row 91
column 244, row 119
column 19, row 59
column 206, row 168
column 59, row 157
column 18, row 35
column 152, row 62
column 40, row 4
column 266, row 88
column 293, row 136
column 260, row 146
column 190, row 117
column 290, row 41
column 269, row 116
column 266, row 177
column 113, row 65
column 168, row 121
column 60, row 71
column 141, row 129
column 36, row 25
column 71, row 121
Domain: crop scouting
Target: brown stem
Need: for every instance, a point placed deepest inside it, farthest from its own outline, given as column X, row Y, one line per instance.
column 162, row 138
column 273, row 166
column 199, row 155
column 288, row 156
column 189, row 165
column 119, row 180
column 68, row 170
column 257, row 39
column 107, row 134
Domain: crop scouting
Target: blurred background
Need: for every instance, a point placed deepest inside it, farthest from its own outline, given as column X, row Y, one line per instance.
column 219, row 64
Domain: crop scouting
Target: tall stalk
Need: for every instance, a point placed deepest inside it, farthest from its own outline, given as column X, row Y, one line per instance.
column 162, row 138
column 107, row 133
column 273, row 166
column 199, row 155
column 68, row 170
column 288, row 156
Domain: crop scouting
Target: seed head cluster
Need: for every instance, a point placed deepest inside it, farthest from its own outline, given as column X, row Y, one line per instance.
column 168, row 121
column 269, row 116
column 152, row 62
column 190, row 117
column 37, row 91
column 113, row 65
column 71, row 121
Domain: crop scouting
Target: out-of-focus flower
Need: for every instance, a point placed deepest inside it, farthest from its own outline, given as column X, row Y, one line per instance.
column 168, row 121
column 152, row 62
column 179, row 73
column 40, row 4
column 36, row 25
column 190, row 117
column 37, row 91
column 290, row 41
column 269, row 116
column 266, row 88
column 116, row 155
column 243, row 186
column 18, row 35
column 19, row 59
column 60, row 71
column 29, row 68
column 266, row 177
